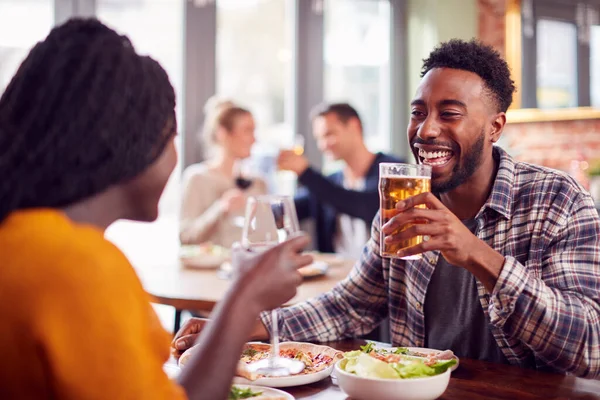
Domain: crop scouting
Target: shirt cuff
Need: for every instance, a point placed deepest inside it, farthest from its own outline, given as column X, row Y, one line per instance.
column 509, row 286
column 265, row 318
column 307, row 176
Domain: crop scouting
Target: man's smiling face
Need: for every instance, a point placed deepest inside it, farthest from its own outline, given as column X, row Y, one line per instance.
column 447, row 128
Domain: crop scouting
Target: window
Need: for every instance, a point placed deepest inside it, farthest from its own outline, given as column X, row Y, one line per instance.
column 556, row 68
column 22, row 24
column 357, row 63
column 254, row 56
column 254, row 68
column 155, row 28
column 560, row 46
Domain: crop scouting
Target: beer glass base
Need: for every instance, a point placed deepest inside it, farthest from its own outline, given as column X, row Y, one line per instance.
column 395, row 256
column 413, row 257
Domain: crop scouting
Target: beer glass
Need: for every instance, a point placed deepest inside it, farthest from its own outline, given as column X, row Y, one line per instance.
column 398, row 182
column 298, row 146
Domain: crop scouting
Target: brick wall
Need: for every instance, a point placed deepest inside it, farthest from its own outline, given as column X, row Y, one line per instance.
column 553, row 144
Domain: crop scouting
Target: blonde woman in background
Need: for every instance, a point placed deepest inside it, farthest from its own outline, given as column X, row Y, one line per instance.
column 213, row 192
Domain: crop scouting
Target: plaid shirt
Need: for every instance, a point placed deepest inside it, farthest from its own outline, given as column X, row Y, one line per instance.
column 546, row 301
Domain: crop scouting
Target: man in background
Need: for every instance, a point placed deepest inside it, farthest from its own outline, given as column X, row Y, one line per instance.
column 344, row 203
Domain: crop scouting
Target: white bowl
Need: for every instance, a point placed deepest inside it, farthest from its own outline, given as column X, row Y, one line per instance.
column 358, row 388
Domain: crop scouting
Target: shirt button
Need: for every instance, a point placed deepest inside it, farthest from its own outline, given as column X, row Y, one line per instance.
column 419, row 306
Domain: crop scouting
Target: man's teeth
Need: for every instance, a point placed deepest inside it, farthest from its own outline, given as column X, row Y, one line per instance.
column 434, row 154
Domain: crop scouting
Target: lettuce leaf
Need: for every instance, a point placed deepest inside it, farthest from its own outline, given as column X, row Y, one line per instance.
column 441, row 366
column 366, row 366
column 418, row 369
column 413, row 370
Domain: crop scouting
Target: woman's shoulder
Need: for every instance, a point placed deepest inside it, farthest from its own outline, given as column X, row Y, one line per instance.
column 46, row 246
column 200, row 172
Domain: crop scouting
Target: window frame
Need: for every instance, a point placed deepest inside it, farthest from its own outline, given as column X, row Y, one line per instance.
column 199, row 63
column 521, row 54
column 556, row 10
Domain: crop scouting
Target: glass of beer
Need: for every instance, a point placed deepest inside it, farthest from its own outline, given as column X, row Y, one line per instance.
column 298, row 146
column 398, row 182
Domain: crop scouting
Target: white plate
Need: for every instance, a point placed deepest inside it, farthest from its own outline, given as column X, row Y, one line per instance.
column 317, row 268
column 201, row 257
column 293, row 380
column 332, row 259
column 266, row 391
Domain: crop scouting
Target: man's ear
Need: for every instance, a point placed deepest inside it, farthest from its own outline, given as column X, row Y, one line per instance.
column 497, row 126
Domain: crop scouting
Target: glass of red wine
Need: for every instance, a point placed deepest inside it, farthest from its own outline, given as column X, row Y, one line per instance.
column 242, row 179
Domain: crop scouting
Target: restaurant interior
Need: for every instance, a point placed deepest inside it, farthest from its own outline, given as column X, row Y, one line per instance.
column 278, row 59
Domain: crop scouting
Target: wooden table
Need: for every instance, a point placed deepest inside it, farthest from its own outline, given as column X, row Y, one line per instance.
column 199, row 290
column 477, row 380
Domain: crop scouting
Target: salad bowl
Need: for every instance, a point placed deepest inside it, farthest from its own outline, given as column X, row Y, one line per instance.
column 392, row 375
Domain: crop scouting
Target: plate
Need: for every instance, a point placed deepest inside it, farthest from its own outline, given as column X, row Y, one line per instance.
column 332, row 259
column 296, row 380
column 267, row 391
column 317, row 268
column 205, row 256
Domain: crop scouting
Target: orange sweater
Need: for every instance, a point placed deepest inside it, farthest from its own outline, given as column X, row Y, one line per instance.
column 75, row 320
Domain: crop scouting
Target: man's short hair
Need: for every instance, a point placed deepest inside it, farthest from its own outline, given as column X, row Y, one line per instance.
column 481, row 59
column 343, row 111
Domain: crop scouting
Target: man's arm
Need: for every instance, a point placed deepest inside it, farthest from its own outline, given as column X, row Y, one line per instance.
column 557, row 313
column 302, row 204
column 353, row 308
column 357, row 204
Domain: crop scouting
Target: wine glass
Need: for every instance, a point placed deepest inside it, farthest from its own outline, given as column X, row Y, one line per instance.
column 242, row 180
column 270, row 220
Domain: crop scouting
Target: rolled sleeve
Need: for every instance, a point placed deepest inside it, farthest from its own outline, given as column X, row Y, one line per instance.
column 509, row 287
column 354, row 307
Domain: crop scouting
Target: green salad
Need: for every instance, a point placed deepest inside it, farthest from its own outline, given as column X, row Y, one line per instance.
column 400, row 363
column 237, row 393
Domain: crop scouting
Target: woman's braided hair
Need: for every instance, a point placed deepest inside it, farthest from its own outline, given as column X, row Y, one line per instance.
column 83, row 112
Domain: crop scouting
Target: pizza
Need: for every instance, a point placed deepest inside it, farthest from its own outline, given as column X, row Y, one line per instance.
column 315, row 358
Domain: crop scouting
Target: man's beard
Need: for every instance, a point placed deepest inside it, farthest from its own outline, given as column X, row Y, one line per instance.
column 462, row 171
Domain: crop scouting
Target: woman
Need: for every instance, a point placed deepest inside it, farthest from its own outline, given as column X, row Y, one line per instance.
column 87, row 130
column 212, row 202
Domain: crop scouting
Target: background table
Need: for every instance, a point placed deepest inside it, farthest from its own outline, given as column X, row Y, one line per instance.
column 477, row 380
column 199, row 290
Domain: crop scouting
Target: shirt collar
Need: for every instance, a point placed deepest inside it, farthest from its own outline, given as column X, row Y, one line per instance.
column 501, row 197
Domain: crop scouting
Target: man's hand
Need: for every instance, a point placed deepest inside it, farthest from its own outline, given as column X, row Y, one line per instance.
column 290, row 161
column 189, row 332
column 187, row 335
column 446, row 233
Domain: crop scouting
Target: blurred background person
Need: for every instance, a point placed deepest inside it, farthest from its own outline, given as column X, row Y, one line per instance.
column 215, row 191
column 344, row 203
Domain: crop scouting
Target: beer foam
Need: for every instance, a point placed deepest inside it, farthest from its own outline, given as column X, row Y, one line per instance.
column 392, row 176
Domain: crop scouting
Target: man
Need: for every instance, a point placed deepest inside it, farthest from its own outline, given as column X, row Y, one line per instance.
column 344, row 203
column 511, row 270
